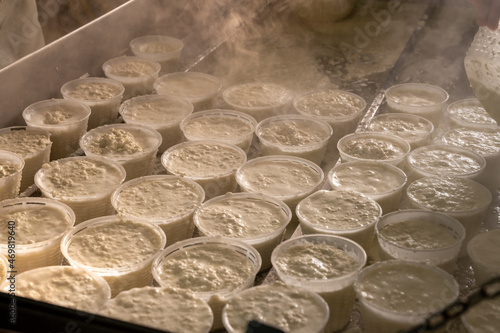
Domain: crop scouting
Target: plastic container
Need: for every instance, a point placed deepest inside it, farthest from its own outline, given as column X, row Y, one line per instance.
column 437, row 241
column 161, row 308
column 67, row 181
column 425, row 100
column 255, row 219
column 133, row 146
column 65, row 120
column 165, row 50
column 373, row 146
column 341, row 109
column 102, row 95
column 137, row 74
column 65, row 286
column 470, row 113
column 277, row 305
column 210, row 163
column 38, row 224
column 483, row 70
column 118, row 250
column 167, row 201
column 198, row 88
column 32, row 144
column 437, row 160
column 260, row 100
column 294, row 135
column 483, row 252
column 234, row 267
column 461, row 198
column 397, row 295
column 160, row 112
column 232, row 127
column 382, row 182
column 333, row 284
column 482, row 317
column 11, row 168
column 286, row 178
column 343, row 213
column 415, row 130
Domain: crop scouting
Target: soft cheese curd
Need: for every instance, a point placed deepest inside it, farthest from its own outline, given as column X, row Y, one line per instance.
column 289, row 308
column 168, row 201
column 214, row 268
column 233, row 127
column 324, row 264
column 483, row 317
column 294, row 135
column 11, row 167
column 198, row 88
column 161, row 308
column 102, row 95
column 65, row 120
column 256, row 219
column 38, row 225
column 212, row 164
column 165, row 50
column 339, row 212
column 397, row 295
column 33, row 145
column 133, row 146
column 382, row 182
column 160, row 112
column 66, row 286
column 483, row 252
column 119, row 250
column 83, row 183
column 470, row 113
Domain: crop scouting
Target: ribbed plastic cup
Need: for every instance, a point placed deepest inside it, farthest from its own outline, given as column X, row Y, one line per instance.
column 260, row 100
column 160, row 112
column 32, row 144
column 412, row 249
column 11, row 169
column 125, row 276
column 229, row 126
column 425, row 100
column 135, row 73
column 102, row 95
column 247, row 217
column 483, row 250
column 200, row 89
column 294, row 135
column 469, row 112
column 165, row 50
column 336, row 291
column 133, row 146
column 38, row 225
column 165, row 200
column 65, row 120
column 216, row 296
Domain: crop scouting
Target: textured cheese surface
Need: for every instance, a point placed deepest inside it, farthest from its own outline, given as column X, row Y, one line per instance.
column 217, row 127
column 415, row 97
column 330, row 104
column 257, row 95
column 482, row 142
column 155, row 111
column 373, row 148
column 293, row 133
column 471, row 111
column 115, row 142
column 94, row 91
column 130, row 68
column 7, row 169
column 23, row 143
column 443, row 161
column 407, row 129
column 485, row 248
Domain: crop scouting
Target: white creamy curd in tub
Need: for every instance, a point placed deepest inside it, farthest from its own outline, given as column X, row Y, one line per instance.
column 483, row 317
column 168, row 201
column 413, row 129
column 66, row 286
column 483, row 252
column 291, row 309
column 255, row 219
column 327, row 267
column 83, row 183
column 214, row 268
column 396, row 295
column 38, row 225
column 212, row 164
column 33, row 145
column 161, row 308
column 11, row 166
column 165, row 50
column 470, row 113
column 161, row 112
column 133, row 146
column 230, row 126
column 340, row 212
column 380, row 181
column 119, row 250
column 294, row 135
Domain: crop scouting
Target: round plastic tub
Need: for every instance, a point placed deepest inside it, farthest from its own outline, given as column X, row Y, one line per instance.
column 470, row 113
column 11, row 169
column 483, row 252
column 165, row 50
